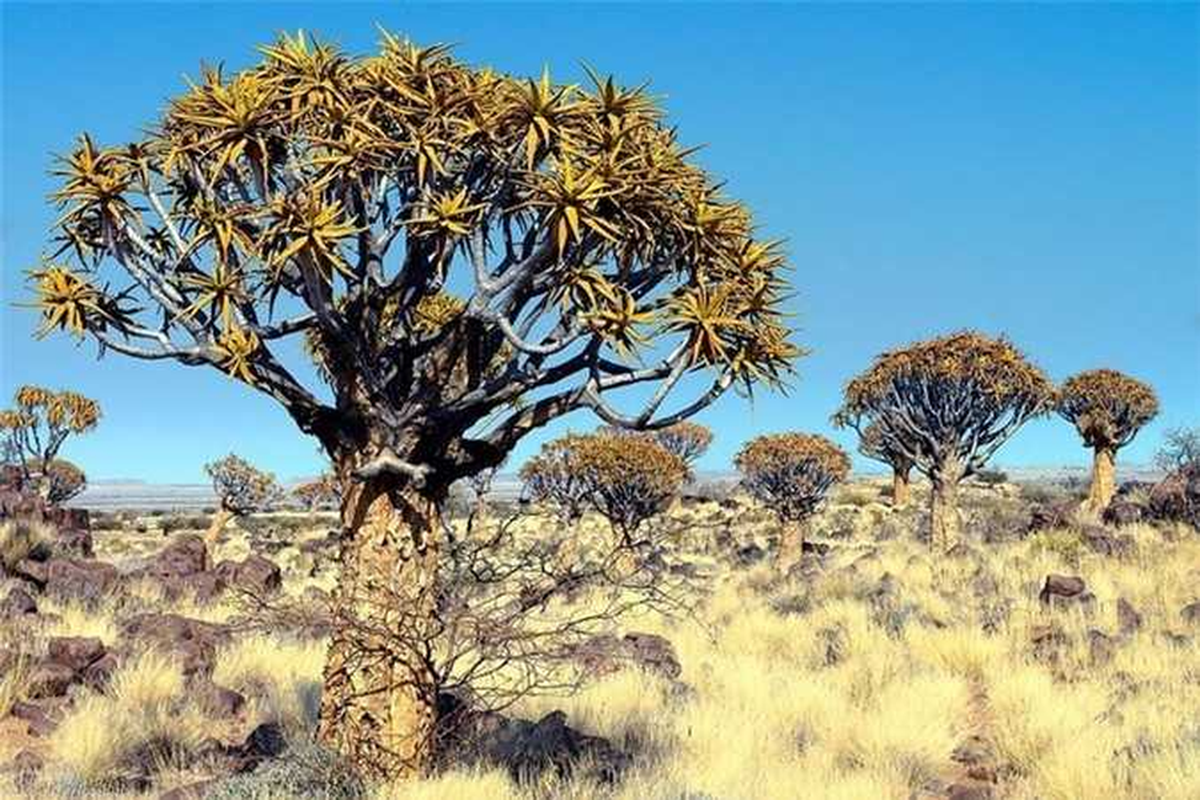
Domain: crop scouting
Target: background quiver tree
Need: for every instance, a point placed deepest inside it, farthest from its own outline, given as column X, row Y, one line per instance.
column 553, row 477
column 320, row 494
column 948, row 404
column 629, row 480
column 241, row 489
column 34, row 430
column 790, row 473
column 1180, row 448
column 874, row 445
column 468, row 256
column 688, row 440
column 1108, row 409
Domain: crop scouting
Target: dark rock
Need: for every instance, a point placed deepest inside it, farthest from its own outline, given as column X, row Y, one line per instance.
column 750, row 554
column 605, row 654
column 186, row 555
column 973, row 750
column 1191, row 613
column 97, row 674
column 1101, row 647
column 970, row 791
column 1128, row 618
column 193, row 642
column 1122, row 512
column 83, row 580
column 41, row 717
column 76, row 542
column 1048, row 517
column 18, row 603
column 50, row 679
column 1176, row 498
column 265, row 741
column 221, row 702
column 75, row 652
column 255, row 575
column 1061, row 586
column 35, row 572
column 1101, row 540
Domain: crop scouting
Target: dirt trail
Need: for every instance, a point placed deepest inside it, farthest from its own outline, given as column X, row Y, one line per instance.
column 976, row 765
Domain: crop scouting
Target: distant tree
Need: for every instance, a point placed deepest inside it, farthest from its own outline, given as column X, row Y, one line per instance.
column 241, row 489
column 1180, row 447
column 554, row 477
column 467, row 256
column 34, row 430
column 629, row 479
column 688, row 440
column 321, row 493
column 1108, row 409
column 948, row 404
column 790, row 473
column 874, row 445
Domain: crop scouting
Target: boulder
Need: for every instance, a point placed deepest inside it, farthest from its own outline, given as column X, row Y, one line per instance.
column 1122, row 512
column 17, row 604
column 1101, row 540
column 193, row 642
column 41, row 717
column 49, row 679
column 1061, row 586
column 185, row 555
column 98, row 674
column 255, row 575
column 1176, row 498
column 75, row 652
column 83, row 580
column 1129, row 620
column 1051, row 516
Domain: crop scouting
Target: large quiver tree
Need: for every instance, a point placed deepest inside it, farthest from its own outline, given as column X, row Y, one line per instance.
column 790, row 474
column 948, row 404
column 467, row 256
column 1108, row 409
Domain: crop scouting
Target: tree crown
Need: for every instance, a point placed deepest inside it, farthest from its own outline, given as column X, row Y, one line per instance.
column 954, row 398
column 1107, row 407
column 464, row 251
column 791, row 472
column 241, row 487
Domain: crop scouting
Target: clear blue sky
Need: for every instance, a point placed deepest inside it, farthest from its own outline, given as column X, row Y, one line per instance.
column 1023, row 170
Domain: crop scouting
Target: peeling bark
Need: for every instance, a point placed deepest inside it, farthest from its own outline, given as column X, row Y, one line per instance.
column 1104, row 479
column 944, row 521
column 378, row 704
column 901, row 489
column 216, row 526
column 790, row 552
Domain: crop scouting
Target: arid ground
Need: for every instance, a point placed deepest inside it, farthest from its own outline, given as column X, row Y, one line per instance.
column 873, row 671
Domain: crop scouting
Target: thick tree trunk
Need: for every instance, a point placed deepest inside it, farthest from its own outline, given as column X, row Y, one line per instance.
column 901, row 491
column 1104, row 479
column 790, row 552
column 215, row 526
column 943, row 510
column 378, row 704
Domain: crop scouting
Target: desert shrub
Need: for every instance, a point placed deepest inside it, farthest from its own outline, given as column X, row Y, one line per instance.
column 305, row 769
column 23, row 538
column 1180, row 447
column 628, row 479
column 991, row 477
column 241, row 487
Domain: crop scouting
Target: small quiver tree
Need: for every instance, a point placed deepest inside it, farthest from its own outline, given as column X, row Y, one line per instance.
column 948, row 404
column 241, row 489
column 467, row 255
column 790, row 473
column 1108, row 409
column 320, row 494
column 553, row 477
column 874, row 445
column 34, row 430
column 629, row 479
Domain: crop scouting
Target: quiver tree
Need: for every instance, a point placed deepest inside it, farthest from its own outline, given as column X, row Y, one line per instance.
column 947, row 404
column 553, row 477
column 688, row 440
column 874, row 445
column 241, row 489
column 790, row 473
column 629, row 480
column 466, row 255
column 321, row 493
column 1108, row 409
column 34, row 430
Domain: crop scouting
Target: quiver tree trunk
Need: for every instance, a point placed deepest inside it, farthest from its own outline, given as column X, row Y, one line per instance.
column 944, row 520
column 220, row 519
column 790, row 551
column 379, row 698
column 901, row 490
column 1104, row 479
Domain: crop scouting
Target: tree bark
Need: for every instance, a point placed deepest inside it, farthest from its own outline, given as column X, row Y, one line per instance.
column 1104, row 479
column 901, row 491
column 790, row 552
column 378, row 707
column 943, row 510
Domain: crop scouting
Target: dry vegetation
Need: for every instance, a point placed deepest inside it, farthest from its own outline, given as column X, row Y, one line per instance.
column 875, row 670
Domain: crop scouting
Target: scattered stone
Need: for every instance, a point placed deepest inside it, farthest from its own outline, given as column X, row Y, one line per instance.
column 265, row 741
column 49, row 679
column 193, row 642
column 25, row 768
column 18, row 603
column 41, row 717
column 1099, row 539
column 1122, row 512
column 185, row 555
column 606, row 654
column 83, row 580
column 1128, row 619
column 97, row 674
column 1064, row 590
column 221, row 702
column 1048, row 517
column 255, row 575
column 970, row 791
column 75, row 652
column 749, row 555
column 1176, row 497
